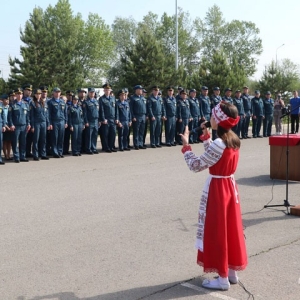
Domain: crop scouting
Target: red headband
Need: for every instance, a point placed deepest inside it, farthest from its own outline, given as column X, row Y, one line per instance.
column 222, row 119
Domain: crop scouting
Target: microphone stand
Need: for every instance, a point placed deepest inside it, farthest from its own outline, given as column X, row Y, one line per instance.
column 286, row 202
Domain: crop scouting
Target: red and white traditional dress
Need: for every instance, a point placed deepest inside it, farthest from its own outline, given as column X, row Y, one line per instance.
column 220, row 238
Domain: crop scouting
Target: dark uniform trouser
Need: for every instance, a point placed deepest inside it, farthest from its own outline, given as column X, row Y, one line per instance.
column 76, row 136
column 39, row 140
column 91, row 136
column 237, row 128
column 185, row 122
column 155, row 129
column 83, row 141
column 29, row 141
column 67, row 139
column 122, row 135
column 256, row 126
column 178, row 131
column 108, row 132
column 128, row 136
column 58, row 132
column 138, row 130
column 267, row 125
column 170, row 126
column 192, row 125
column 294, row 119
column 145, row 131
column 246, row 125
column 48, row 142
column 19, row 135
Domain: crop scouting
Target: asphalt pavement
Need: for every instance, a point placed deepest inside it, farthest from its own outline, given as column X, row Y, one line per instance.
column 122, row 226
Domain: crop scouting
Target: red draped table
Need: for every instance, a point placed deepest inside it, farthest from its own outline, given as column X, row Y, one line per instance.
column 278, row 148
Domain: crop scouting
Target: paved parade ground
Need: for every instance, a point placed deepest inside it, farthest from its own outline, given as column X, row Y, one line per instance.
column 123, row 225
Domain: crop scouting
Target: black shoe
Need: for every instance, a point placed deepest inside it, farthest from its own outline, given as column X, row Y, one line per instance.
column 168, row 145
column 144, row 145
column 114, row 150
column 79, row 154
column 89, row 152
column 153, row 146
column 74, row 154
column 17, row 161
column 56, row 156
column 259, row 136
column 66, row 153
column 130, row 147
column 173, row 144
column 29, row 155
column 2, row 163
column 108, row 151
column 158, row 146
column 196, row 142
column 36, row 158
column 45, row 158
column 96, row 152
column 61, row 156
column 136, row 148
column 24, row 160
column 122, row 150
column 180, row 143
column 126, row 149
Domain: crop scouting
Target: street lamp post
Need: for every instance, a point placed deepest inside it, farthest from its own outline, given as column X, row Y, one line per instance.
column 176, row 63
column 276, row 53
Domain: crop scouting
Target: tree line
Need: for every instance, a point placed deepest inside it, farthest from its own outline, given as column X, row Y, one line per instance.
column 59, row 48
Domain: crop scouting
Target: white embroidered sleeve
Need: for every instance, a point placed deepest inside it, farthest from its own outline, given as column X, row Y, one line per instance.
column 213, row 153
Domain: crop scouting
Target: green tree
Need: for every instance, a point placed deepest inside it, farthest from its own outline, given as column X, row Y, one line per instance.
column 62, row 49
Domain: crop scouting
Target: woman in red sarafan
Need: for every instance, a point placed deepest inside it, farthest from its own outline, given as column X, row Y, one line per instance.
column 220, row 239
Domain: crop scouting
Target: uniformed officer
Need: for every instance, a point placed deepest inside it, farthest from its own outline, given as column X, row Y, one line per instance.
column 183, row 112
column 76, row 125
column 81, row 98
column 204, row 103
column 146, row 120
column 39, row 121
column 257, row 108
column 138, row 114
column 67, row 136
column 195, row 113
column 268, row 113
column 238, row 103
column 247, row 108
column 91, row 120
column 19, row 123
column 45, row 98
column 170, row 119
column 178, row 125
column 215, row 99
column 7, row 134
column 227, row 98
column 27, row 91
column 156, row 111
column 108, row 116
column 127, row 99
column 124, row 121
column 2, row 129
column 58, row 122
column 12, row 96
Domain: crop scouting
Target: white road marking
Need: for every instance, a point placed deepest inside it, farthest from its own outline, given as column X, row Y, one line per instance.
column 205, row 291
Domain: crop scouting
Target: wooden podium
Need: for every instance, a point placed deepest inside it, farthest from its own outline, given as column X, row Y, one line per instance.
column 278, row 147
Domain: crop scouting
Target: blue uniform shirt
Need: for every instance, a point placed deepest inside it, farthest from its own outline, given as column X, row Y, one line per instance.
column 123, row 111
column 238, row 103
column 205, row 108
column 246, row 103
column 183, row 109
column 155, row 107
column 2, row 118
column 57, row 111
column 90, row 110
column 268, row 106
column 257, row 107
column 170, row 106
column 107, row 109
column 194, row 107
column 18, row 114
column 227, row 99
column 75, row 115
column 215, row 100
column 137, row 106
column 38, row 113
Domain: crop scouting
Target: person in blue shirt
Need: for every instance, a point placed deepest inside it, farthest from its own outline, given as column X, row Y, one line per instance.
column 156, row 111
column 90, row 109
column 27, row 92
column 170, row 118
column 58, row 122
column 138, row 110
column 67, row 135
column 108, row 116
column 195, row 115
column 268, row 113
column 7, row 134
column 257, row 108
column 76, row 125
column 19, row 123
column 2, row 129
column 295, row 103
column 247, row 108
column 124, row 121
column 146, row 120
column 39, row 121
column 215, row 99
column 205, row 105
column 227, row 98
column 238, row 103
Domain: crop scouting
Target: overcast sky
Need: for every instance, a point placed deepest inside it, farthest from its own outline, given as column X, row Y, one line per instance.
column 278, row 21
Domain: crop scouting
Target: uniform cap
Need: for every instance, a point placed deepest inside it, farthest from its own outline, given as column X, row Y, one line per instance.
column 106, row 86
column 216, row 88
column 69, row 92
column 43, row 88
column 4, row 96
column 237, row 91
column 11, row 93
column 37, row 91
column 245, row 87
column 180, row 88
column 125, row 90
column 204, row 88
column 155, row 87
column 228, row 89
column 193, row 90
column 170, row 88
column 27, row 87
column 18, row 91
column 268, row 93
column 257, row 92
column 182, row 92
column 56, row 89
column 121, row 92
column 81, row 90
column 91, row 89
column 138, row 87
column 74, row 97
column 145, row 91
